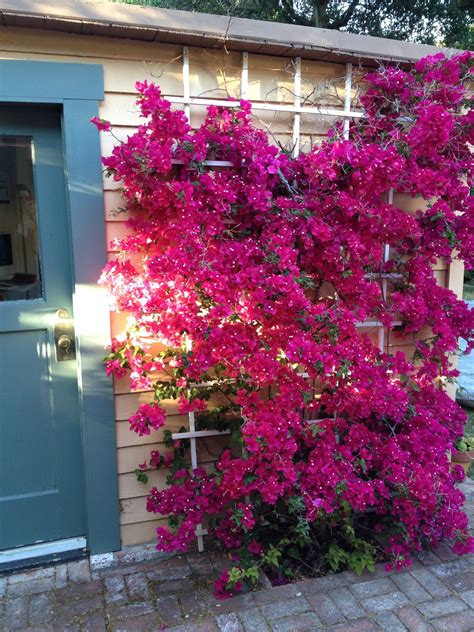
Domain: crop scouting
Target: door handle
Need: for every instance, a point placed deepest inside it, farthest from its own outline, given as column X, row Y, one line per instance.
column 64, row 336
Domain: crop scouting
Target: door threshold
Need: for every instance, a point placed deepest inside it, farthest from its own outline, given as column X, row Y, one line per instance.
column 45, row 552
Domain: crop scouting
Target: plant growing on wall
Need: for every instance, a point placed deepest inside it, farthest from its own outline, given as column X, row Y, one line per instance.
column 254, row 278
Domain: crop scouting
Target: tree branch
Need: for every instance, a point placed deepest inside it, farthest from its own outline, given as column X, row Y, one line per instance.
column 343, row 20
column 289, row 10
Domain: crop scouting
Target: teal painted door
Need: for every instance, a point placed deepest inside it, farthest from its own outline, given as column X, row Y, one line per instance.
column 41, row 478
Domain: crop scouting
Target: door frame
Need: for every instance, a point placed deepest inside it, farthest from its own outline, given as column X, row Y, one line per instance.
column 77, row 88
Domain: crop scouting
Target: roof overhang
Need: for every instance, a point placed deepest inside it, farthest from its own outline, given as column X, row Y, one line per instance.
column 151, row 24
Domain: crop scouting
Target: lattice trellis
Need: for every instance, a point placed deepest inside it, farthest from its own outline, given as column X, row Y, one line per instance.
column 297, row 109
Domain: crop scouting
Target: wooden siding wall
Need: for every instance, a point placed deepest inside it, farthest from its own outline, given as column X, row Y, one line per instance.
column 215, row 74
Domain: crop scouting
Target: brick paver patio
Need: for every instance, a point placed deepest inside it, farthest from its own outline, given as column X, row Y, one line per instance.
column 175, row 594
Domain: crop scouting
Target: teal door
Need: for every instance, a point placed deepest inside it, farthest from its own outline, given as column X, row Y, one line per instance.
column 41, row 478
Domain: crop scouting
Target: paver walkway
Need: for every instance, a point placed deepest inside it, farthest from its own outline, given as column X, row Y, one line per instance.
column 175, row 595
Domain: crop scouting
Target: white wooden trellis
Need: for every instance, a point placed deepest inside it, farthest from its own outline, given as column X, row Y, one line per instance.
column 347, row 100
column 298, row 110
column 297, row 104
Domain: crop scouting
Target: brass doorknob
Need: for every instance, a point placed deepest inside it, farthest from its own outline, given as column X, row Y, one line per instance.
column 64, row 339
column 64, row 342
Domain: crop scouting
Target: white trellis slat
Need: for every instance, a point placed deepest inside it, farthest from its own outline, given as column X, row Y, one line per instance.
column 244, row 77
column 347, row 100
column 265, row 105
column 385, row 278
column 297, row 104
column 376, row 323
column 186, row 85
column 192, row 435
column 298, row 110
column 196, row 434
column 207, row 163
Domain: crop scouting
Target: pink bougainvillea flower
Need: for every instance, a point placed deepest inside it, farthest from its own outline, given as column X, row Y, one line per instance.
column 269, row 266
column 101, row 124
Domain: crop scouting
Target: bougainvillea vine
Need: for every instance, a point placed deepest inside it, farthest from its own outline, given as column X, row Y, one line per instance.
column 253, row 278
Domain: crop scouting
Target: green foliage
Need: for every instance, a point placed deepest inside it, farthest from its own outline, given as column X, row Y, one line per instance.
column 358, row 560
column 141, row 476
column 272, row 556
column 248, row 576
column 465, row 444
column 469, row 285
column 355, row 553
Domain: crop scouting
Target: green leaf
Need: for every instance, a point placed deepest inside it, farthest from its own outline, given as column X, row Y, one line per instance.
column 141, row 476
column 315, row 430
column 336, row 557
column 295, row 504
column 272, row 556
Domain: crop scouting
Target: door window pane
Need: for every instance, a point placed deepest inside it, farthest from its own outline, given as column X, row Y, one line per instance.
column 20, row 276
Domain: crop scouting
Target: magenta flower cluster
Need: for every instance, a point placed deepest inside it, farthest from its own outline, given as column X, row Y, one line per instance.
column 255, row 278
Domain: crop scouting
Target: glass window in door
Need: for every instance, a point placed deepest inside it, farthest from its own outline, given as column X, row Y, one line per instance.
column 20, row 270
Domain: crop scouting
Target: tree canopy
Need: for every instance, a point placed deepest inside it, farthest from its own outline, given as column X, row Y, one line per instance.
column 445, row 22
